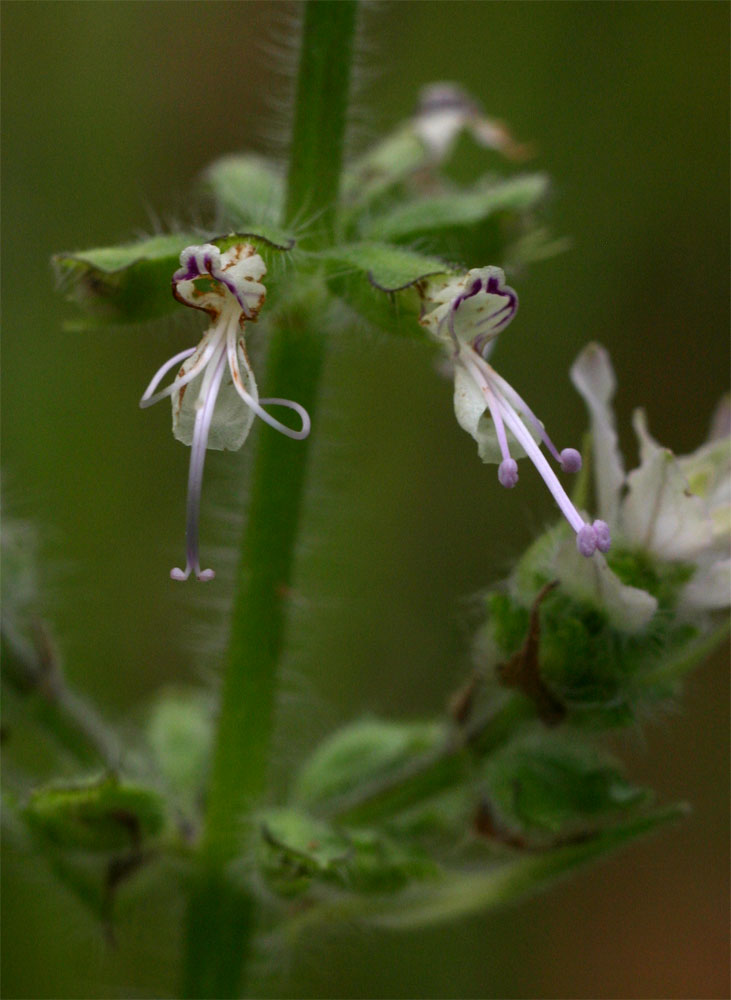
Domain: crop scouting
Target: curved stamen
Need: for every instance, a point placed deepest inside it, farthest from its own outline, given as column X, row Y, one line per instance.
column 147, row 399
column 255, row 405
column 301, row 412
column 569, row 459
column 209, row 393
column 180, row 380
column 535, row 454
column 507, row 472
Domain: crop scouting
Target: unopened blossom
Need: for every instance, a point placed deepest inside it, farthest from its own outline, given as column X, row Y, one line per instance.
column 676, row 508
column 445, row 110
column 466, row 314
column 214, row 394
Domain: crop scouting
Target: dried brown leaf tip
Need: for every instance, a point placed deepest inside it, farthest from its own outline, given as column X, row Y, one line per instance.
column 522, row 671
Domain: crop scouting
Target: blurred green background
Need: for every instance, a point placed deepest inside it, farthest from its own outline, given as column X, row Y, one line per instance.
column 110, row 111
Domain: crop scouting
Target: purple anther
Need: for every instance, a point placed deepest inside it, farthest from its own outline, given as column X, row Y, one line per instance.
column 570, row 460
column 603, row 536
column 586, row 540
column 507, row 473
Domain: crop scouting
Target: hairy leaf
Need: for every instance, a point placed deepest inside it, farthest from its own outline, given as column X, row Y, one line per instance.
column 247, row 189
column 553, row 784
column 389, row 268
column 461, row 894
column 458, row 208
column 360, row 753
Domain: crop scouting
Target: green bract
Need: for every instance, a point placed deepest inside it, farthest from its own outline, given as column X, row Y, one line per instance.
column 548, row 784
column 100, row 815
column 298, row 851
column 362, row 753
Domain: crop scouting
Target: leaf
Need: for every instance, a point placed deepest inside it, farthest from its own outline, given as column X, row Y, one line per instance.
column 392, row 160
column 395, row 314
column 131, row 283
column 127, row 283
column 247, row 188
column 458, row 208
column 361, row 753
column 101, row 815
column 551, row 784
column 461, row 894
column 179, row 733
column 389, row 268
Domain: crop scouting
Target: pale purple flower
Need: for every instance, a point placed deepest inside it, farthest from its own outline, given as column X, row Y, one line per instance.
column 466, row 314
column 214, row 394
column 677, row 508
column 445, row 111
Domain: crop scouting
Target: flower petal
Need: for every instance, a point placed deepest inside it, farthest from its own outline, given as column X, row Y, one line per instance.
column 232, row 418
column 445, row 109
column 473, row 416
column 660, row 513
column 237, row 272
column 593, row 377
column 629, row 609
column 471, row 309
column 710, row 588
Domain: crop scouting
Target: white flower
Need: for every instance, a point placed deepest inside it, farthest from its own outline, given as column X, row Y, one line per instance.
column 445, row 110
column 466, row 314
column 214, row 394
column 678, row 509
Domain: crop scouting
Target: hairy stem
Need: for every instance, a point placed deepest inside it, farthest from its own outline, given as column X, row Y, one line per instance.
column 32, row 670
column 323, row 86
column 222, row 913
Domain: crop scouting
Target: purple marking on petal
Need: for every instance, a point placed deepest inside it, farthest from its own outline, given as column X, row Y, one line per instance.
column 603, row 535
column 507, row 473
column 474, row 289
column 570, row 460
column 186, row 273
column 586, row 541
column 445, row 97
column 480, row 342
column 511, row 306
column 193, row 267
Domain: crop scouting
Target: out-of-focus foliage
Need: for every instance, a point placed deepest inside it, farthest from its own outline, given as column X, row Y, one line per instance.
column 627, row 106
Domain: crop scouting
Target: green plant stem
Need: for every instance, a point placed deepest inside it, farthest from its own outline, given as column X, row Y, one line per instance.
column 323, row 88
column 246, row 721
column 33, row 673
column 222, row 912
